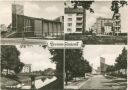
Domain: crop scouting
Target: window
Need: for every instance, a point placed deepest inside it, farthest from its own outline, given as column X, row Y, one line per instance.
column 79, row 14
column 79, row 19
column 69, row 24
column 69, row 19
column 78, row 24
column 69, row 30
column 78, row 29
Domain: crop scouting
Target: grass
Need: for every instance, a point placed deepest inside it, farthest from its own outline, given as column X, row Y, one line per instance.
column 98, row 39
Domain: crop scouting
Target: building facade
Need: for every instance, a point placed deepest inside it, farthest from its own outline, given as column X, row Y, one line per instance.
column 37, row 27
column 103, row 26
column 73, row 20
column 116, row 23
column 25, row 26
column 103, row 65
column 26, row 68
column 107, row 26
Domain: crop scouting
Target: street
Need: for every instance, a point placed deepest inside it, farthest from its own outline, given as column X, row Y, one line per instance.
column 100, row 82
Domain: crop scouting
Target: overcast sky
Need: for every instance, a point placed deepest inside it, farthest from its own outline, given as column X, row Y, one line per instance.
column 92, row 53
column 37, row 56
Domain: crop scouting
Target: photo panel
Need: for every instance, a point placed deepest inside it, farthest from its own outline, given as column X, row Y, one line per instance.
column 96, row 22
column 31, row 67
column 31, row 22
column 96, row 67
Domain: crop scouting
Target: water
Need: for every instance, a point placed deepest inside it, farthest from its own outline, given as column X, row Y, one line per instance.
column 38, row 83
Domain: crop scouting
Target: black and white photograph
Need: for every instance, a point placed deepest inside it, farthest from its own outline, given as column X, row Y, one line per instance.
column 96, row 67
column 31, row 21
column 63, row 44
column 31, row 68
column 96, row 22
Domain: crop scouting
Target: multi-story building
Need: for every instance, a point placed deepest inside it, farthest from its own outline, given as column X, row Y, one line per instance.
column 107, row 26
column 103, row 65
column 26, row 26
column 26, row 68
column 116, row 23
column 103, row 26
column 73, row 20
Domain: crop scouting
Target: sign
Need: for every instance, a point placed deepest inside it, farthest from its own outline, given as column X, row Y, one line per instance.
column 61, row 44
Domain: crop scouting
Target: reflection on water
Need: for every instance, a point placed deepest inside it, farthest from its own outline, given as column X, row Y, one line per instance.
column 38, row 84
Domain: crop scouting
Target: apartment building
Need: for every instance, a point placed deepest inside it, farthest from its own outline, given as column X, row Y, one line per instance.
column 103, row 26
column 73, row 20
column 117, row 23
column 26, row 68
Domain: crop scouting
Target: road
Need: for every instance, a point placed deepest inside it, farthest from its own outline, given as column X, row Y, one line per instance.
column 100, row 82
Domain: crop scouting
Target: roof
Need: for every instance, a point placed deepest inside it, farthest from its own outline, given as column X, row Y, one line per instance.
column 72, row 10
column 34, row 18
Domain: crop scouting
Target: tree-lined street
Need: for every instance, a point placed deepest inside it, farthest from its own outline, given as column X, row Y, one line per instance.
column 101, row 82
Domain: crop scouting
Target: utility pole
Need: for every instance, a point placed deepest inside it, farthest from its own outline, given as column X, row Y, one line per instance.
column 84, row 21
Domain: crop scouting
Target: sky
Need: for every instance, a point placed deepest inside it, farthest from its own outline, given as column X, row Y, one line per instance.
column 37, row 56
column 92, row 53
column 39, row 9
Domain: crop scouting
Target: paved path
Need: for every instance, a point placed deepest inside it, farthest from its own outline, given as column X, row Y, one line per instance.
column 100, row 82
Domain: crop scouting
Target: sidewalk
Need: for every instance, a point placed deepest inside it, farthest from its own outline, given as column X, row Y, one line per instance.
column 75, row 84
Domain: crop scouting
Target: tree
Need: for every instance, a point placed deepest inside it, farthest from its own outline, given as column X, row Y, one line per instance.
column 86, row 5
column 116, row 5
column 10, row 58
column 75, row 64
column 57, row 58
column 121, row 60
column 110, row 69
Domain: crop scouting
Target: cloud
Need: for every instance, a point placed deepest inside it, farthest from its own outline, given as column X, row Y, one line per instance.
column 51, row 9
column 5, row 13
column 37, row 56
column 32, row 9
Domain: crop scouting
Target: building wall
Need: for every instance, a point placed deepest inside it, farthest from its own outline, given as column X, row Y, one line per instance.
column 26, row 68
column 117, row 23
column 103, row 25
column 72, row 21
column 38, row 28
column 102, row 64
